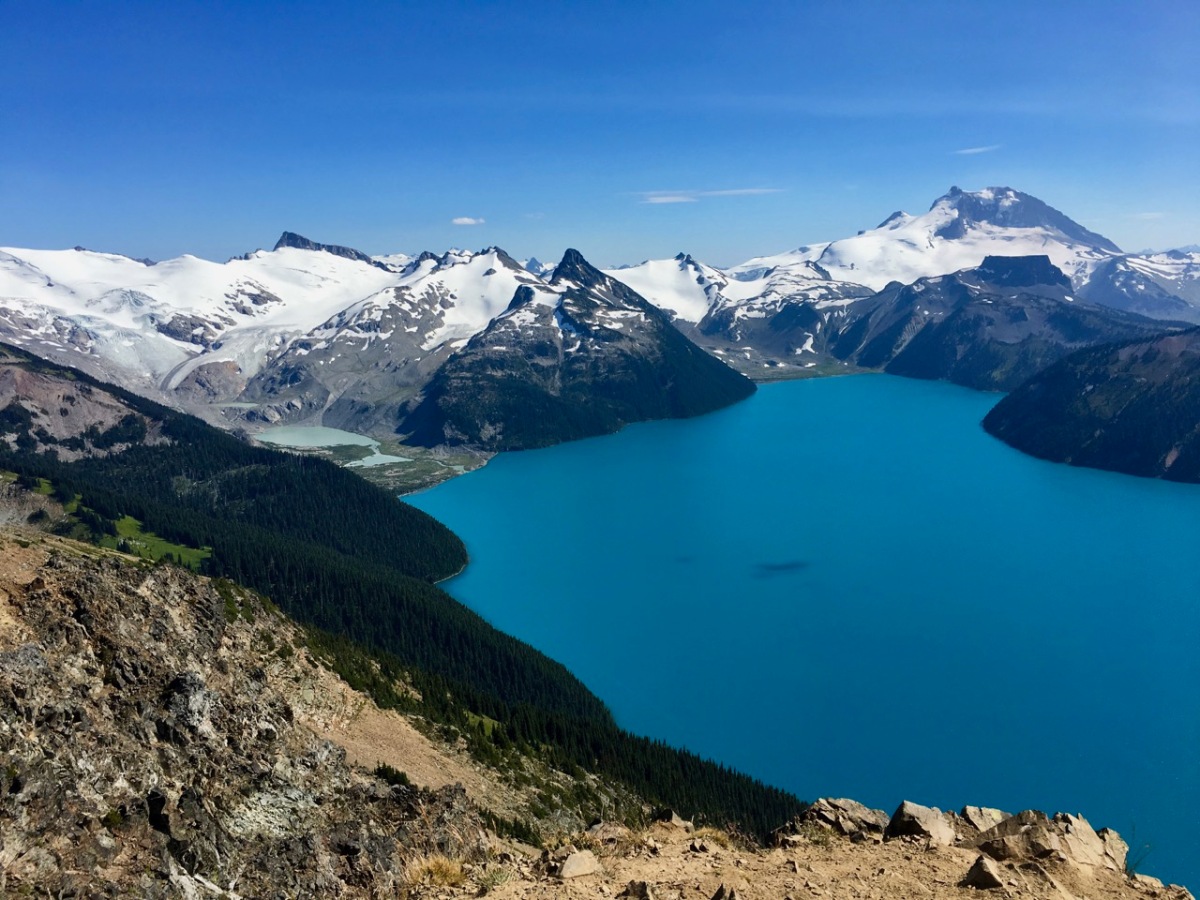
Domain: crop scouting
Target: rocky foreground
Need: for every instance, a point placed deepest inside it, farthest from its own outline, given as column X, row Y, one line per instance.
column 162, row 735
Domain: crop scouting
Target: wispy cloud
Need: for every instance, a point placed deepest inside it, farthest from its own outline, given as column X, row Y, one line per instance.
column 696, row 196
column 1148, row 216
column 974, row 151
column 655, row 197
column 465, row 220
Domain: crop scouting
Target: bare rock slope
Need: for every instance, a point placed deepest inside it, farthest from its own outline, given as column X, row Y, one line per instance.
column 152, row 745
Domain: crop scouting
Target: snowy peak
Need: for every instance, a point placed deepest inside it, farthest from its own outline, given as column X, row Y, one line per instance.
column 958, row 231
column 577, row 270
column 299, row 242
column 681, row 286
column 456, row 294
column 582, row 355
column 535, row 266
column 1005, row 208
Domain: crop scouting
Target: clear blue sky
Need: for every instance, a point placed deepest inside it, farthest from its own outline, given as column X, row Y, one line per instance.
column 155, row 129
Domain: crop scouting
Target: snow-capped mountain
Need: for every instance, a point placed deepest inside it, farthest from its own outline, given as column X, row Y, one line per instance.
column 1176, row 271
column 580, row 355
column 957, row 232
column 149, row 325
column 358, row 366
column 780, row 318
column 770, row 321
column 536, row 267
column 298, row 316
column 312, row 332
column 682, row 287
column 1162, row 285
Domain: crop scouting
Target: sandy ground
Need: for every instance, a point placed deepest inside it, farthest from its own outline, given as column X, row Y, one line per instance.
column 833, row 868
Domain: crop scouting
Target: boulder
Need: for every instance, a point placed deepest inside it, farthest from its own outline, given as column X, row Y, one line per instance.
column 1115, row 848
column 913, row 820
column 1032, row 835
column 984, row 874
column 848, row 817
column 1085, row 847
column 1027, row 835
column 982, row 817
column 578, row 864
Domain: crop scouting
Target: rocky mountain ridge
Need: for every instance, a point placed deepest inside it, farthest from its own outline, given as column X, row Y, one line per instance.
column 324, row 334
column 167, row 736
column 988, row 328
column 579, row 356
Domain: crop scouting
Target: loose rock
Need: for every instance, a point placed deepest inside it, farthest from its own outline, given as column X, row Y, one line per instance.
column 984, row 874
column 848, row 817
column 912, row 819
column 982, row 817
column 578, row 864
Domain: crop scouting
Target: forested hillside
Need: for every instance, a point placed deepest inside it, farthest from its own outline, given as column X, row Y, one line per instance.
column 344, row 557
column 1132, row 407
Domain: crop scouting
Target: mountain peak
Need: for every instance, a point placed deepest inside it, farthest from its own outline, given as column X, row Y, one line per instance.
column 1009, row 208
column 574, row 267
column 898, row 216
column 300, row 242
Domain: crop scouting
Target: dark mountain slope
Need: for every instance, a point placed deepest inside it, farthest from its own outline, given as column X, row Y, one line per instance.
column 1132, row 408
column 583, row 356
column 987, row 328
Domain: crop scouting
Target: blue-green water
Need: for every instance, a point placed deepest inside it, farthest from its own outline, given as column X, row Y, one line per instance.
column 846, row 588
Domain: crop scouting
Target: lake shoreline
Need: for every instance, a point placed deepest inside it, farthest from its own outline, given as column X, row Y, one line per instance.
column 876, row 529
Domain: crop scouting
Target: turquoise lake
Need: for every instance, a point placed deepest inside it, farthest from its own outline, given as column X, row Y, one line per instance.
column 846, row 588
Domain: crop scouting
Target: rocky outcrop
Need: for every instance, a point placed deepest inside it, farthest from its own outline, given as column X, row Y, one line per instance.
column 984, row 874
column 1033, row 835
column 291, row 239
column 913, row 820
column 661, row 863
column 581, row 356
column 848, row 818
column 981, row 818
column 148, row 750
column 995, row 850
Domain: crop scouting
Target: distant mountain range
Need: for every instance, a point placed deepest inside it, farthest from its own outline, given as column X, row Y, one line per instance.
column 457, row 347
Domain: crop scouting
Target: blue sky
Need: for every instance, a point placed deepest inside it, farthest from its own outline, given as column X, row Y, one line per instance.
column 161, row 128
